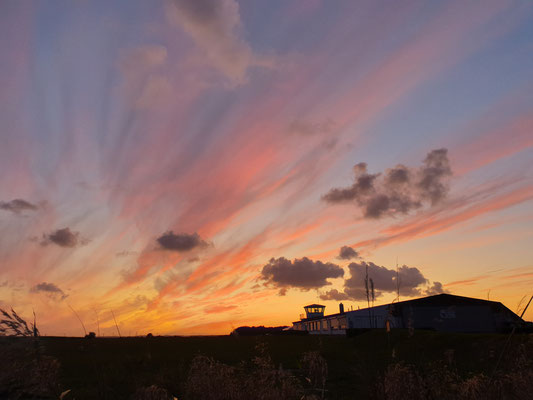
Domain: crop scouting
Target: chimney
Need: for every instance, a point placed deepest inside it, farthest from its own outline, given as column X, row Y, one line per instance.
column 341, row 308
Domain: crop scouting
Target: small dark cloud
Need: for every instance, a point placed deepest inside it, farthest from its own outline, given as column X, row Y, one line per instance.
column 306, row 128
column 358, row 294
column 436, row 168
column 410, row 280
column 347, row 253
column 63, row 237
column 17, row 206
column 434, row 289
column 398, row 175
column 181, row 241
column 50, row 289
column 361, row 188
column 334, row 294
column 399, row 190
column 301, row 273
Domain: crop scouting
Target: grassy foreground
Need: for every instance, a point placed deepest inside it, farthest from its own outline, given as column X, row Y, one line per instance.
column 370, row 365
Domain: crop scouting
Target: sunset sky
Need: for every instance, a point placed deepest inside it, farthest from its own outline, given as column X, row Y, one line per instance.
column 197, row 165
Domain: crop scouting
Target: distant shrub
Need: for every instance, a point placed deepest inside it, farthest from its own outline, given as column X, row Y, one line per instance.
column 258, row 330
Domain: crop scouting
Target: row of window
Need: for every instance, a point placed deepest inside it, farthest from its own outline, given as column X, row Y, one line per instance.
column 323, row 325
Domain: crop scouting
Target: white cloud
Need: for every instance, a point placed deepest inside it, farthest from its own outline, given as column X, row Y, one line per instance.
column 215, row 26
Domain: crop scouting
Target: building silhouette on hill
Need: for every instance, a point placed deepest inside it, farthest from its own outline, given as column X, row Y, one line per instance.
column 442, row 312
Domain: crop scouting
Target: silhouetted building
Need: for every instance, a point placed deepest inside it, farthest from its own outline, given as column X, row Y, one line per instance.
column 442, row 312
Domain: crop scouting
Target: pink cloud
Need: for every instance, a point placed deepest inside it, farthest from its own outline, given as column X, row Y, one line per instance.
column 428, row 225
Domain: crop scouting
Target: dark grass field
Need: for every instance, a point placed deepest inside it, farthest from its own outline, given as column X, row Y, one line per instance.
column 115, row 368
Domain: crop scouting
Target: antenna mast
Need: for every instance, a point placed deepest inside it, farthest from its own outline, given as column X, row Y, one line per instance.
column 397, row 281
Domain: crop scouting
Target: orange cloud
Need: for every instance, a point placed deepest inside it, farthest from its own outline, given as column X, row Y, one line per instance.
column 219, row 309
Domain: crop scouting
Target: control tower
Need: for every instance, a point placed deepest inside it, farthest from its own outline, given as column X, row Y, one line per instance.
column 313, row 311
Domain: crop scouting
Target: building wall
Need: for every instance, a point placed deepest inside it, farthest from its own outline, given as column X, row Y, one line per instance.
column 461, row 318
column 375, row 317
column 504, row 319
column 448, row 315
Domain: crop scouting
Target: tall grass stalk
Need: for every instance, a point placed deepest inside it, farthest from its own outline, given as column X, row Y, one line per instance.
column 79, row 319
column 114, row 319
column 14, row 325
column 506, row 345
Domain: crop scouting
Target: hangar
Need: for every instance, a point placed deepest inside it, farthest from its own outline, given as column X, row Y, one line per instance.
column 442, row 312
